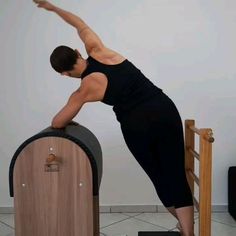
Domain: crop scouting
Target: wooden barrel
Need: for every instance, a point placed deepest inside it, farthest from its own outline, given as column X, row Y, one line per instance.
column 54, row 178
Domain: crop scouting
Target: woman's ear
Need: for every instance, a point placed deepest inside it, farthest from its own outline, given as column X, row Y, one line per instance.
column 65, row 73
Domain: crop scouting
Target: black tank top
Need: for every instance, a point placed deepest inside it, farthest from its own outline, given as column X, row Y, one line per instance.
column 127, row 87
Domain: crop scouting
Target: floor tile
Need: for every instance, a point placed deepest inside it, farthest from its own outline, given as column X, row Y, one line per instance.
column 7, row 219
column 224, row 217
column 217, row 229
column 131, row 214
column 129, row 227
column 111, row 218
column 5, row 230
column 13, row 234
column 165, row 220
column 121, row 224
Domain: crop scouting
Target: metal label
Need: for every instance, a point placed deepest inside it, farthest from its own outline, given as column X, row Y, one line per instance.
column 51, row 167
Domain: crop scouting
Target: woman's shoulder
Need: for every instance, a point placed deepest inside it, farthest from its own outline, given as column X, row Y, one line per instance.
column 107, row 56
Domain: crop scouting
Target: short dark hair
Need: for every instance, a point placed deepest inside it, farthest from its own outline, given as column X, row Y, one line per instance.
column 63, row 59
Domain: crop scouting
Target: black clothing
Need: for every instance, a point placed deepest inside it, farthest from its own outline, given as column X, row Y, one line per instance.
column 127, row 86
column 151, row 126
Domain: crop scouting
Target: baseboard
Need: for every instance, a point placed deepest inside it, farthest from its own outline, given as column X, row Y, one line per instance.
column 6, row 210
column 220, row 208
column 129, row 208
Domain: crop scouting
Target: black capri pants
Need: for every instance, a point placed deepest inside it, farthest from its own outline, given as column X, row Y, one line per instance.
column 153, row 132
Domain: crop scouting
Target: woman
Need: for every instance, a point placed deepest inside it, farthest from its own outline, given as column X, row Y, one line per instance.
column 149, row 120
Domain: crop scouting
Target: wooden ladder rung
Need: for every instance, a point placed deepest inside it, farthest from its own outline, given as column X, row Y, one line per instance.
column 196, row 204
column 192, row 175
column 194, row 153
column 195, row 130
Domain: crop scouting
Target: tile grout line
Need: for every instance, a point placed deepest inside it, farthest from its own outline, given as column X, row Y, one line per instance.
column 151, row 223
column 216, row 221
column 135, row 219
column 130, row 212
column 116, row 222
column 130, row 217
column 103, row 234
column 155, row 224
column 9, row 226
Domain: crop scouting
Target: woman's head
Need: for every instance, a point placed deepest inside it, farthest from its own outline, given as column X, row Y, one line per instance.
column 65, row 61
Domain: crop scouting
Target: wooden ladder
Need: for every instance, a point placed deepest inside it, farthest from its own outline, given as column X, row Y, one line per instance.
column 204, row 177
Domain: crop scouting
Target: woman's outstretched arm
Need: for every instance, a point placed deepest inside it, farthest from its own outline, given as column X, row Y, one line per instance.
column 90, row 39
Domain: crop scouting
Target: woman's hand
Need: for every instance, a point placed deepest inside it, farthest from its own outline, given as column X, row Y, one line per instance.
column 45, row 4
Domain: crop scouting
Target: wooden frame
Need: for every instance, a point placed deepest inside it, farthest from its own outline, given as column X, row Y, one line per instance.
column 204, row 177
column 56, row 201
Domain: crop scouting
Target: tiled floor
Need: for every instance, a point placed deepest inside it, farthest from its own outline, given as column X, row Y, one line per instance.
column 121, row 224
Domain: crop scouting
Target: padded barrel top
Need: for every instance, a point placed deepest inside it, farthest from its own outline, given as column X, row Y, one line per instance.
column 78, row 134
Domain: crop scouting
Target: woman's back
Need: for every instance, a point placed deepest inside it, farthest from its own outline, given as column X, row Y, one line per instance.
column 127, row 86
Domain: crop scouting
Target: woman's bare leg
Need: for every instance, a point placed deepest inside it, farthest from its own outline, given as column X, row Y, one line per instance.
column 173, row 212
column 185, row 215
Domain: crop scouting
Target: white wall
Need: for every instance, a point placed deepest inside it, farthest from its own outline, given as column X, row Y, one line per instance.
column 186, row 47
